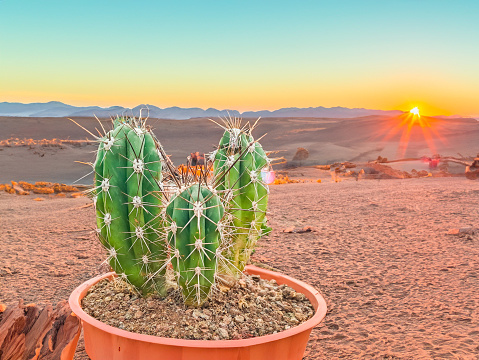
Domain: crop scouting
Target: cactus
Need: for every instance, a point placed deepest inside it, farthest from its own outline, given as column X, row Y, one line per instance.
column 194, row 216
column 206, row 231
column 238, row 162
column 128, row 204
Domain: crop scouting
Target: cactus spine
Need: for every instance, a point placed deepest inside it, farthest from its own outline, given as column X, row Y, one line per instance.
column 238, row 162
column 194, row 216
column 128, row 204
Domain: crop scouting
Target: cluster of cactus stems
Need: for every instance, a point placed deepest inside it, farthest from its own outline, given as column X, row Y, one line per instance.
column 157, row 224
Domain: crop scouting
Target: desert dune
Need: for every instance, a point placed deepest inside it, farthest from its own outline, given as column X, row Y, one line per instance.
column 396, row 260
column 397, row 285
column 327, row 141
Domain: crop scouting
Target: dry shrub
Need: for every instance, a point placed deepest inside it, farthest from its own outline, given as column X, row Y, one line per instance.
column 43, row 190
column 40, row 187
column 318, row 181
column 193, row 170
column 61, row 195
column 64, row 188
column 18, row 189
column 39, row 199
column 42, row 184
column 25, row 185
column 280, row 179
column 77, row 195
column 44, row 142
column 2, row 187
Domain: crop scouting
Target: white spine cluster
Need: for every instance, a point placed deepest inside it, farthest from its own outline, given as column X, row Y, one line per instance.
column 139, row 131
column 107, row 219
column 138, row 166
column 198, row 209
column 137, row 203
column 105, row 185
column 109, row 143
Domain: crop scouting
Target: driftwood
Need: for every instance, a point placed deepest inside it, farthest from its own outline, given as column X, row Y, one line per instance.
column 30, row 333
column 442, row 159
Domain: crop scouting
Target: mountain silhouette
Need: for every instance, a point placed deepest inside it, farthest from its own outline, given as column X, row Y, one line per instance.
column 59, row 109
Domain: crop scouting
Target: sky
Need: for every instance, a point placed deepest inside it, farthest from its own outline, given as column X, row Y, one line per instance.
column 243, row 55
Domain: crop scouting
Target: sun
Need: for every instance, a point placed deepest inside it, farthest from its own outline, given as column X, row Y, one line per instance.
column 415, row 111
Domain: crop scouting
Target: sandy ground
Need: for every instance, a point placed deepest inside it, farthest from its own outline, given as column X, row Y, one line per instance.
column 397, row 286
column 327, row 141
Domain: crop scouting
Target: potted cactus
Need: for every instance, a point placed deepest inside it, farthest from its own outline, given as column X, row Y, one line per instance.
column 187, row 234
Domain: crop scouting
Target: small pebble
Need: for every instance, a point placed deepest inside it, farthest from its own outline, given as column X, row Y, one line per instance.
column 239, row 318
column 222, row 333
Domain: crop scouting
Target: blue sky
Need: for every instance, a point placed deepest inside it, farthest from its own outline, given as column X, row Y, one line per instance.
column 242, row 54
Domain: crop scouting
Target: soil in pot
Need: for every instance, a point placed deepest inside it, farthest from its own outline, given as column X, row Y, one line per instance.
column 254, row 307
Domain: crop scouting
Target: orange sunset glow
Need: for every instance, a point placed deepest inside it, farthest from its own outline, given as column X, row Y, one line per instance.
column 200, row 66
column 411, row 127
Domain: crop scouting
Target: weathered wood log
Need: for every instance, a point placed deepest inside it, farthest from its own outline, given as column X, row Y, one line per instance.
column 30, row 333
column 442, row 159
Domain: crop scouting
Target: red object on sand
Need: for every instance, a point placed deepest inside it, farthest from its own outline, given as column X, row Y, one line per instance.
column 104, row 342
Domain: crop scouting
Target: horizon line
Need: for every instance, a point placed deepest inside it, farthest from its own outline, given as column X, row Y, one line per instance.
column 240, row 112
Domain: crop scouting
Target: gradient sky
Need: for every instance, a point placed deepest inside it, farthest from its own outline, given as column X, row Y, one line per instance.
column 245, row 55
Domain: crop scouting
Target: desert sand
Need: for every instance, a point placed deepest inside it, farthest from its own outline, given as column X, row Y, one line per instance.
column 327, row 141
column 398, row 286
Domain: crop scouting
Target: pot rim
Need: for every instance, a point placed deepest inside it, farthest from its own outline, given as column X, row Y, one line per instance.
column 312, row 294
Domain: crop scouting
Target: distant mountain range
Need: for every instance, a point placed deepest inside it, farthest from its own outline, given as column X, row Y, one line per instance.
column 58, row 109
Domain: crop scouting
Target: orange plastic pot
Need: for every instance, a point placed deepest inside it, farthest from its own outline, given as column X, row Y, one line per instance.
column 104, row 342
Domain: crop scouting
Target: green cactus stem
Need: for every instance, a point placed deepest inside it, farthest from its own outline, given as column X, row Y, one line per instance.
column 194, row 215
column 238, row 162
column 128, row 204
